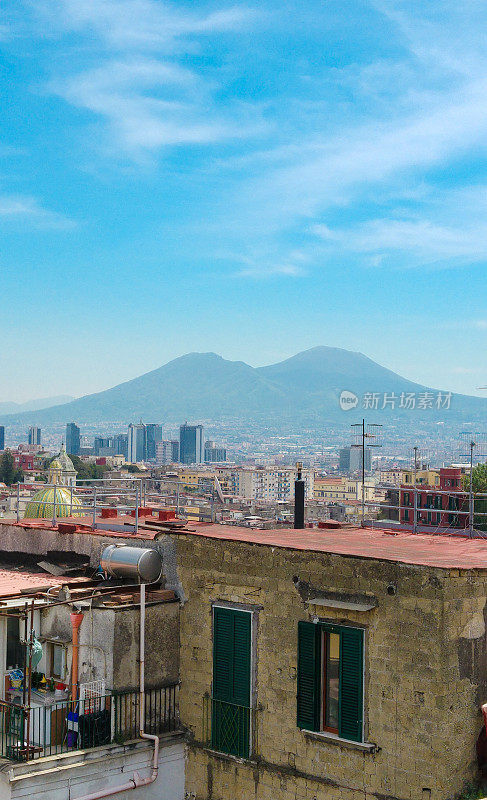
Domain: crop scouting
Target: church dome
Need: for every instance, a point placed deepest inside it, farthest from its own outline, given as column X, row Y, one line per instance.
column 41, row 506
column 55, row 464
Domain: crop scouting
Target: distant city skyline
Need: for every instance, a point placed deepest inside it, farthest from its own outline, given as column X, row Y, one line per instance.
column 272, row 176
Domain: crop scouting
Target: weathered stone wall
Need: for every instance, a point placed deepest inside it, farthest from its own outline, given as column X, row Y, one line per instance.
column 425, row 674
column 162, row 646
column 109, row 643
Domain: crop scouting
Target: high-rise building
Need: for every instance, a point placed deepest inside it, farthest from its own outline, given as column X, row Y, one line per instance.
column 136, row 444
column 350, row 459
column 103, row 446
column 72, row 439
column 34, row 435
column 153, row 435
column 120, row 444
column 174, row 450
column 167, row 452
column 191, row 449
column 2, row 437
column 214, row 453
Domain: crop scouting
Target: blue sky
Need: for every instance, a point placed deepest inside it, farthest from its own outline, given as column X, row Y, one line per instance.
column 252, row 179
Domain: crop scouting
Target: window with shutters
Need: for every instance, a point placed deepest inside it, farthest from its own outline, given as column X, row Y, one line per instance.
column 231, row 696
column 330, row 679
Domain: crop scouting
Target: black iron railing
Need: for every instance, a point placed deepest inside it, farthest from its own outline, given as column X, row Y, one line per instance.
column 63, row 727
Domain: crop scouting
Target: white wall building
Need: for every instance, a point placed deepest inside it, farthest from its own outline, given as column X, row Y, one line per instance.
column 271, row 483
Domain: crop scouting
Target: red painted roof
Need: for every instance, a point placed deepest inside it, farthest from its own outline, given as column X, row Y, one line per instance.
column 443, row 551
column 14, row 582
column 450, row 552
column 84, row 525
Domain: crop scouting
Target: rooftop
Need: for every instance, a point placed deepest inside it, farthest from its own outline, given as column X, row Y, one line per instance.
column 444, row 551
column 448, row 551
column 16, row 582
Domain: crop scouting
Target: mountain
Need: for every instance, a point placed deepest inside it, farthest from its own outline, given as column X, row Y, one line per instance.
column 304, row 389
column 34, row 405
column 324, row 372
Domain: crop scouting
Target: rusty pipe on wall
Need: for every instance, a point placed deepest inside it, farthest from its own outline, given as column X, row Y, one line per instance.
column 76, row 620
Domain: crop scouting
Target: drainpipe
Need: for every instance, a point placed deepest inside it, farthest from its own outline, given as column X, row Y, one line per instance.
column 136, row 781
column 76, row 620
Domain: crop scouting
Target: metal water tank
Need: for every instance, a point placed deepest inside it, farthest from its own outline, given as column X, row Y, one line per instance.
column 138, row 563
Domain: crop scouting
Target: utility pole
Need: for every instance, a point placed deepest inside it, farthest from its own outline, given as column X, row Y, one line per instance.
column 363, row 471
column 415, row 511
column 359, row 432
column 470, row 493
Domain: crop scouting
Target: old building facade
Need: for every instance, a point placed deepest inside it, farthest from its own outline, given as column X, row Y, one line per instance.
column 399, row 654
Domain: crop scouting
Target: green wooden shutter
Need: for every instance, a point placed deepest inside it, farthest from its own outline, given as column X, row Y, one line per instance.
column 308, row 695
column 230, row 731
column 223, row 654
column 241, row 658
column 231, row 655
column 351, row 684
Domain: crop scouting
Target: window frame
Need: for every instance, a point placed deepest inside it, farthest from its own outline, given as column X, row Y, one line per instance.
column 304, row 705
column 228, row 606
column 323, row 700
column 62, row 647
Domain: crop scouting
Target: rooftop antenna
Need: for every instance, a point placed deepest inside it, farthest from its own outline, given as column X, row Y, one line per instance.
column 417, row 458
column 365, row 436
column 472, row 441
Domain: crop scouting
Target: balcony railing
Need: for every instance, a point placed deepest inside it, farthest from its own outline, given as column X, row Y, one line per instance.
column 65, row 727
column 229, row 728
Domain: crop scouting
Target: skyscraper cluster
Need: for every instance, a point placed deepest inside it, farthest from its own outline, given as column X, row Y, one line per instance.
column 143, row 442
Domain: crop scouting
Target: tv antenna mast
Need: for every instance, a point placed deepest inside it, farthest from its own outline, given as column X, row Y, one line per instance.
column 363, row 436
column 472, row 442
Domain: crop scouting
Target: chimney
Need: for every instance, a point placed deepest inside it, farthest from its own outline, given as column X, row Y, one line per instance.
column 299, row 499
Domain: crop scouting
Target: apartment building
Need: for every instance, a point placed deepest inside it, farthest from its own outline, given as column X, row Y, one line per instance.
column 72, row 688
column 271, row 483
column 330, row 489
column 342, row 490
column 332, row 665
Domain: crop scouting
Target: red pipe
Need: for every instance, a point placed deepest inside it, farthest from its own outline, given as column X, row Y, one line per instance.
column 76, row 620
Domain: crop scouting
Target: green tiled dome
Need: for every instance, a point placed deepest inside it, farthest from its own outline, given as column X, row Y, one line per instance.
column 42, row 504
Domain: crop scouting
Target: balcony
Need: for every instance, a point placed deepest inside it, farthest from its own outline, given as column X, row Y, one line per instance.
column 65, row 727
column 229, row 728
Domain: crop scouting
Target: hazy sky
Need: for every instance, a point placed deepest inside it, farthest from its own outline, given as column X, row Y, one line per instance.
column 252, row 179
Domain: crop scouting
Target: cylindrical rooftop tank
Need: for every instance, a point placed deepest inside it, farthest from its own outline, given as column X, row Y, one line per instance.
column 139, row 563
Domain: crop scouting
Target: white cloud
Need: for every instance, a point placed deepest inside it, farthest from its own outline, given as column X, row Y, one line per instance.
column 264, row 272
column 23, row 208
column 419, row 240
column 413, row 117
column 149, row 104
column 258, row 267
column 138, row 85
column 334, row 171
column 141, row 24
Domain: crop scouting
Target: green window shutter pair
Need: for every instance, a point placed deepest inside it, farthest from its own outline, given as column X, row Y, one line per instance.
column 351, row 680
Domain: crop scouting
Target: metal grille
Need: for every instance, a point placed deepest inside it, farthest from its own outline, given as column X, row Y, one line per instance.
column 229, row 728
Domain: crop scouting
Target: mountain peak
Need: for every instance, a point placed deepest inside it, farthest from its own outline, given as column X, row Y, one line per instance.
column 203, row 385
